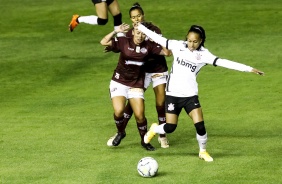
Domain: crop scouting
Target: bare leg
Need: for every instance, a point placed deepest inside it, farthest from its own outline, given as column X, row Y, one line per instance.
column 160, row 104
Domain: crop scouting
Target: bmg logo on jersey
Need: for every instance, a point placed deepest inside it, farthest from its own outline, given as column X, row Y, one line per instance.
column 187, row 64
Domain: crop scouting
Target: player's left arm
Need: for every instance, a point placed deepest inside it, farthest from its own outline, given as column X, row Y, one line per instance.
column 236, row 66
column 216, row 61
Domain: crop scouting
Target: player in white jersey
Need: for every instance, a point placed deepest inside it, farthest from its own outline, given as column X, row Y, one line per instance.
column 182, row 88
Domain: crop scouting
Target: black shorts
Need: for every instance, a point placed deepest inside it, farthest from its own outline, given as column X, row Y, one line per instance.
column 174, row 104
column 99, row 1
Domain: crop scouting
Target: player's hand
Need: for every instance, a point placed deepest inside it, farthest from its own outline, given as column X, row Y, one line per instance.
column 257, row 71
column 110, row 49
column 122, row 28
column 107, row 49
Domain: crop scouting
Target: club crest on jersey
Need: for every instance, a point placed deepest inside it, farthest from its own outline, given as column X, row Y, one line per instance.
column 198, row 56
column 144, row 50
column 170, row 107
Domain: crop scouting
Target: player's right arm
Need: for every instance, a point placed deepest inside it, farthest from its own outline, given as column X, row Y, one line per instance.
column 154, row 36
column 107, row 40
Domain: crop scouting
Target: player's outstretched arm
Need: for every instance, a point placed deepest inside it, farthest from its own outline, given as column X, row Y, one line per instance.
column 236, row 66
column 152, row 35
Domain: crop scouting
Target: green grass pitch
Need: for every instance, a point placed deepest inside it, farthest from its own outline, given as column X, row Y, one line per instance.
column 56, row 115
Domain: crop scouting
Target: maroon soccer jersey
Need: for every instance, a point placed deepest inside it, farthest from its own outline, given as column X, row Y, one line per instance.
column 154, row 63
column 130, row 67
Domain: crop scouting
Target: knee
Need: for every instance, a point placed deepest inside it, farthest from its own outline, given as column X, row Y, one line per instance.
column 169, row 128
column 118, row 112
column 200, row 128
column 102, row 21
column 160, row 102
column 140, row 119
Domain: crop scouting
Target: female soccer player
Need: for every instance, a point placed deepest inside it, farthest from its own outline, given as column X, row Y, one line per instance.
column 102, row 8
column 156, row 73
column 128, row 79
column 182, row 88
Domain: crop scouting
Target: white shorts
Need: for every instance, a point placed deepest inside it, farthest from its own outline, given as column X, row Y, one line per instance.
column 118, row 89
column 155, row 78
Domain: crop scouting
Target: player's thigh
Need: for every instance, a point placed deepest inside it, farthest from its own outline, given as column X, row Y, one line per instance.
column 118, row 94
column 160, row 94
column 193, row 109
column 138, row 107
column 136, row 100
column 173, row 107
column 114, row 8
column 101, row 9
column 171, row 118
column 196, row 115
column 118, row 103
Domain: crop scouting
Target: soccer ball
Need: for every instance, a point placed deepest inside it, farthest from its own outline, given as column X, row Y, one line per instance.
column 147, row 167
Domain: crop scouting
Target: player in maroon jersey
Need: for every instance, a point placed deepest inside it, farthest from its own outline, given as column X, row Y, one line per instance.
column 156, row 73
column 128, row 78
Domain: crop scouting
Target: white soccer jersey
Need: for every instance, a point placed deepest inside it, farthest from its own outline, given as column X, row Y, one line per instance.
column 186, row 65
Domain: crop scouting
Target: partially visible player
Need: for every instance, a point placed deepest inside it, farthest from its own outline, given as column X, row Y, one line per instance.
column 182, row 88
column 102, row 8
column 156, row 74
column 128, row 78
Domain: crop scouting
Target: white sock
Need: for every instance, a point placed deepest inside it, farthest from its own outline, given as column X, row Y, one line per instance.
column 160, row 129
column 202, row 141
column 91, row 19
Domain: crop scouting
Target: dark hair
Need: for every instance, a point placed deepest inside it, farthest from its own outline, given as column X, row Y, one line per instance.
column 200, row 30
column 148, row 25
column 136, row 6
